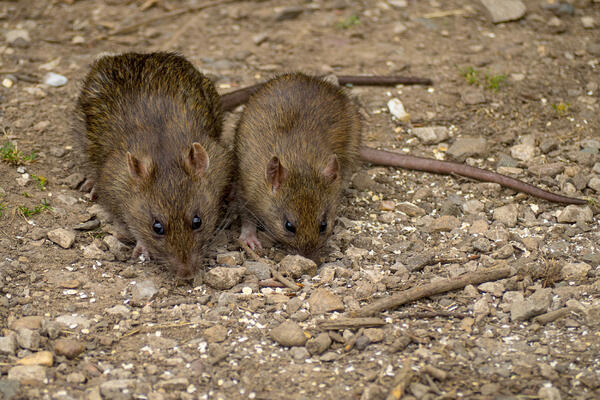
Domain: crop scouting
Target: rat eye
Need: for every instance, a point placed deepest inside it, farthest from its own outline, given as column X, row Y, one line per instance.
column 158, row 228
column 196, row 222
column 289, row 227
column 323, row 226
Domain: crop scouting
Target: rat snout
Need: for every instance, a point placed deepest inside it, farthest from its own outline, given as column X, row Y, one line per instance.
column 185, row 270
column 312, row 254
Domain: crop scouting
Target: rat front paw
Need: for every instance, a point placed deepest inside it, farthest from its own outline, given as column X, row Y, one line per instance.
column 140, row 250
column 251, row 240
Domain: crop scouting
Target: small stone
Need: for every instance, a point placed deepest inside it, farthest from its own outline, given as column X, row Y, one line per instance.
column 62, row 237
column 8, row 344
column 375, row 335
column 17, row 37
column 287, row 13
column 260, row 38
column 69, row 348
column 362, row 342
column 9, row 389
column 78, row 39
column 431, row 134
column 507, row 215
column 505, row 10
column 468, row 147
column 28, row 339
column 397, row 110
column 536, row 304
column 472, row 96
column 575, row 270
column 28, row 374
column 356, row 253
column 224, row 278
column 55, row 80
column 295, row 266
column 74, row 180
column 170, row 385
column 548, row 393
column 115, row 246
column 119, row 309
column 319, row 344
column 523, row 151
column 322, row 301
column 88, row 225
column 478, row 227
column 387, row 205
column 410, row 209
column 482, row 245
column 496, row 289
column 548, row 144
column 419, row 260
column 594, row 184
column 117, row 389
column 66, row 200
column 551, row 169
column 574, row 213
column 76, row 377
column 299, row 353
column 588, row 22
column 144, row 291
column 398, row 3
column 481, row 307
column 504, row 252
column 73, row 321
column 445, row 223
column 259, row 269
column 215, row 334
column 44, row 358
column 32, row 322
column 473, row 206
column 94, row 252
column 231, row 258
column 289, row 334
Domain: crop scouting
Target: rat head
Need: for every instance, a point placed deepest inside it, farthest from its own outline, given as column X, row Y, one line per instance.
column 303, row 203
column 175, row 205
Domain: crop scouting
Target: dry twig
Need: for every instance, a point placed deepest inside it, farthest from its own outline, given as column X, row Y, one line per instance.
column 350, row 323
column 289, row 284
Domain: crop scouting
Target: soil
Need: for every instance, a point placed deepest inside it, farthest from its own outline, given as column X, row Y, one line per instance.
column 188, row 340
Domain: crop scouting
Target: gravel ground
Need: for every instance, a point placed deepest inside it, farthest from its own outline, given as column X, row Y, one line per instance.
column 80, row 319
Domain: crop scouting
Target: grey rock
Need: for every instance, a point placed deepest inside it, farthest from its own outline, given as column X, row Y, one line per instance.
column 260, row 38
column 66, row 199
column 593, row 48
column 507, row 215
column 481, row 307
column 445, row 223
column 94, row 252
column 259, row 269
column 28, row 339
column 472, row 96
column 523, row 151
column 594, row 184
column 548, row 144
column 473, row 206
column 362, row 342
column 536, row 304
column 575, row 270
column 62, row 237
column 375, row 335
column 468, row 147
column 69, row 348
column 293, row 305
column 496, row 289
column 223, row 278
column 410, row 209
column 574, row 213
column 330, row 356
column 230, row 258
column 76, row 377
column 548, row 393
column 27, row 373
column 8, row 344
column 419, row 260
column 322, row 301
column 73, row 321
column 117, row 389
column 9, row 388
column 119, row 309
column 88, row 225
column 504, row 10
column 287, row 13
column 74, row 180
column 295, row 266
column 55, row 80
column 319, row 344
column 431, row 134
column 144, row 291
column 17, row 37
column 482, row 245
column 115, row 246
column 289, row 333
column 504, row 160
column 551, row 169
column 215, row 334
column 588, row 22
column 504, row 252
column 173, row 384
column 299, row 353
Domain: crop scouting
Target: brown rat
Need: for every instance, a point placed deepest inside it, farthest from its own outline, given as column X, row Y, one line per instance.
column 295, row 145
column 150, row 125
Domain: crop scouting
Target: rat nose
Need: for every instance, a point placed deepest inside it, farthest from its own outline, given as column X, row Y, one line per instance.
column 185, row 270
column 312, row 254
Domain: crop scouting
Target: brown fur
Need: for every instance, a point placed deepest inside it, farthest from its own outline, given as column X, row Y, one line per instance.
column 150, row 126
column 303, row 121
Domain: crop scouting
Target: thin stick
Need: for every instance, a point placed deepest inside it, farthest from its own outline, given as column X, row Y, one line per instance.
column 289, row 284
column 401, row 382
column 432, row 289
column 350, row 323
column 552, row 315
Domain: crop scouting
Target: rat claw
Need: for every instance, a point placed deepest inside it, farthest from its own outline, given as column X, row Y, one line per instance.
column 251, row 240
column 140, row 250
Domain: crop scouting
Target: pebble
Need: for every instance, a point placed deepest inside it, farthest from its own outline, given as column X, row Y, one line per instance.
column 445, row 223
column 322, row 301
column 295, row 266
column 504, row 252
column 115, row 246
column 259, row 269
column 507, row 215
column 66, row 200
column 73, row 321
column 55, row 80
column 119, row 309
column 28, row 339
column 44, row 358
column 260, row 38
column 27, row 374
column 551, row 169
column 418, row 261
column 505, row 10
column 362, row 342
column 94, row 252
column 575, row 270
column 318, row 345
column 117, row 388
column 9, row 388
column 289, row 334
column 17, row 37
column 76, row 377
column 375, row 335
column 299, row 353
column 536, row 304
column 397, row 110
column 472, row 206
column 473, row 96
column 523, row 151
column 548, row 393
column 387, row 205
column 468, row 147
column 8, row 344
column 74, row 180
column 88, row 225
column 496, row 289
column 143, row 292
column 594, row 184
column 170, row 385
column 588, row 22
column 481, row 306
column 33, row 322
column 410, row 209
column 574, row 213
column 231, row 258
column 69, row 348
column 62, row 237
column 287, row 13
column 215, row 334
column 224, row 278
column 431, row 134
column 398, row 3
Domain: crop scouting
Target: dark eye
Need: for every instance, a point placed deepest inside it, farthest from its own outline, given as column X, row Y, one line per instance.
column 158, row 228
column 323, row 226
column 289, row 227
column 196, row 222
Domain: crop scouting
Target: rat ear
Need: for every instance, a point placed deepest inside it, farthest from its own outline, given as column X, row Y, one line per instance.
column 139, row 169
column 196, row 160
column 331, row 170
column 276, row 173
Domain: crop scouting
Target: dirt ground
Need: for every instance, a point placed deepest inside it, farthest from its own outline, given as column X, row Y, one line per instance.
column 529, row 88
